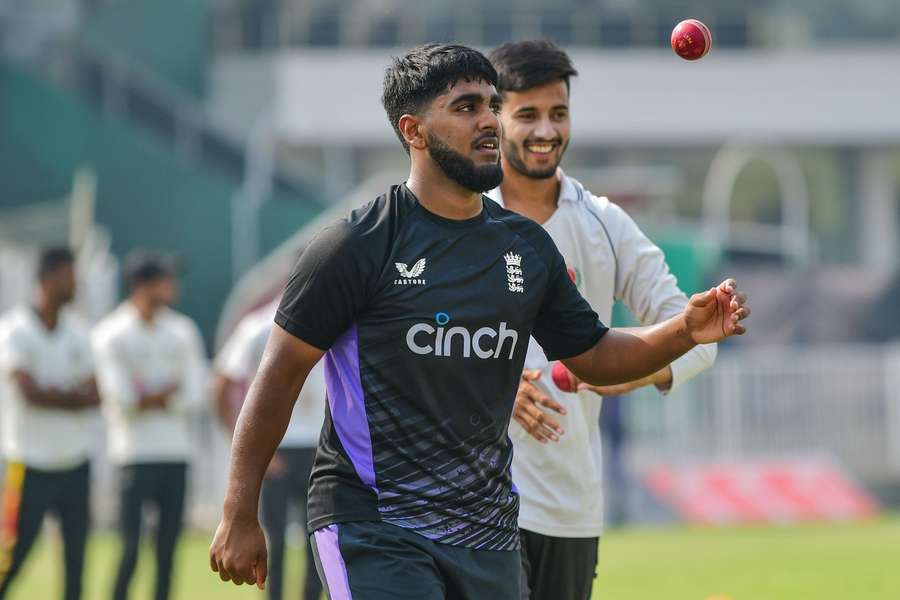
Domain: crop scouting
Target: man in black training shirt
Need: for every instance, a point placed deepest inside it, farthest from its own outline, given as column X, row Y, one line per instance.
column 422, row 302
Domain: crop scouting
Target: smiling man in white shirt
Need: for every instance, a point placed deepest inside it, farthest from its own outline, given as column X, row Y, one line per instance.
column 608, row 258
column 152, row 373
column 49, row 402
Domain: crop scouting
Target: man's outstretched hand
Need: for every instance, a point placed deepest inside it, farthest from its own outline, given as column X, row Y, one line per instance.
column 531, row 410
column 716, row 314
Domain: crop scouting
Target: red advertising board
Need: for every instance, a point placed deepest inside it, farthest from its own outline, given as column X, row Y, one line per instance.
column 755, row 491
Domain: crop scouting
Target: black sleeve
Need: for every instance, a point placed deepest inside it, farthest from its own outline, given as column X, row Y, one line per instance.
column 565, row 325
column 327, row 287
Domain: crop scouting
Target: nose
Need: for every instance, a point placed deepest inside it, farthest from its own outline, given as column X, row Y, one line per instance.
column 489, row 121
column 544, row 129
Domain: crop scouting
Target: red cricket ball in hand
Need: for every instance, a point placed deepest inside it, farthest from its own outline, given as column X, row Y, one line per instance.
column 691, row 39
column 563, row 378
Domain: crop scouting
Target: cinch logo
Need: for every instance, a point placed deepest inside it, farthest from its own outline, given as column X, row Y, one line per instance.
column 487, row 342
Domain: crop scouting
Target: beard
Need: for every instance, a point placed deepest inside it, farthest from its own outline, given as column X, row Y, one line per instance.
column 514, row 155
column 462, row 169
column 161, row 303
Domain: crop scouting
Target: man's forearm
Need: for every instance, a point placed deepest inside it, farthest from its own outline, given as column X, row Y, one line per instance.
column 225, row 410
column 629, row 354
column 51, row 398
column 260, row 427
column 152, row 402
column 264, row 418
column 663, row 378
column 87, row 395
column 158, row 400
column 84, row 396
column 699, row 359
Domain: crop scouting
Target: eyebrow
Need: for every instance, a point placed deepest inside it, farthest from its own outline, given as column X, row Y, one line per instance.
column 527, row 108
column 475, row 97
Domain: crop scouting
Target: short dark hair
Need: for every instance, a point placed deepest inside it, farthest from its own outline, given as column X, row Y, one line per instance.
column 529, row 64
column 52, row 259
column 145, row 266
column 425, row 72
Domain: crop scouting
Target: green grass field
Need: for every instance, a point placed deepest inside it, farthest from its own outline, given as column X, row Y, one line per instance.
column 791, row 563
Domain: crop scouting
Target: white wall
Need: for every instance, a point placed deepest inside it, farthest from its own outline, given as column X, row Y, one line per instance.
column 843, row 96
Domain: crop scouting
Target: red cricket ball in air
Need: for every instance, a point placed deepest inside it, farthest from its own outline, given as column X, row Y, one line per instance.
column 691, row 39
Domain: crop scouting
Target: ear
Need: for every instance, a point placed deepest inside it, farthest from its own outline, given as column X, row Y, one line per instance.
column 411, row 129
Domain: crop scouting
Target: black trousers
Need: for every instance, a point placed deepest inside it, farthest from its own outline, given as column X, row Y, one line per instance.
column 28, row 495
column 279, row 490
column 371, row 560
column 557, row 568
column 162, row 485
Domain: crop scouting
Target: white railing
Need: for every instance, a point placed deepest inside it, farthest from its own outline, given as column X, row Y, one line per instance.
column 840, row 400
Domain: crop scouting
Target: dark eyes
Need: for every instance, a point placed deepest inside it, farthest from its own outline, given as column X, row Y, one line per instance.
column 495, row 108
column 530, row 116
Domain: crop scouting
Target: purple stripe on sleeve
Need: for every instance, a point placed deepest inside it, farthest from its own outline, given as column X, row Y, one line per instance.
column 333, row 566
column 347, row 404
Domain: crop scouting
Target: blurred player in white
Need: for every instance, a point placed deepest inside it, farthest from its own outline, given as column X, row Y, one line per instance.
column 49, row 404
column 287, row 477
column 152, row 373
column 608, row 258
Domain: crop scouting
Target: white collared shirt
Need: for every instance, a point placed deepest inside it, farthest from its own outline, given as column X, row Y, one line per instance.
column 39, row 437
column 134, row 358
column 561, row 484
column 239, row 360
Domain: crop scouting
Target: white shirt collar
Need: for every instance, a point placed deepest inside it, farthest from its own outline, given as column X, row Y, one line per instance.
column 31, row 317
column 568, row 188
column 129, row 311
column 568, row 191
column 133, row 317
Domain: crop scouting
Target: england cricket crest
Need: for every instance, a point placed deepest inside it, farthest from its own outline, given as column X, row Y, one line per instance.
column 515, row 279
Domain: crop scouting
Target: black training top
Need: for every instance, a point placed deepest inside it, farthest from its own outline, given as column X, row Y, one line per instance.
column 426, row 321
